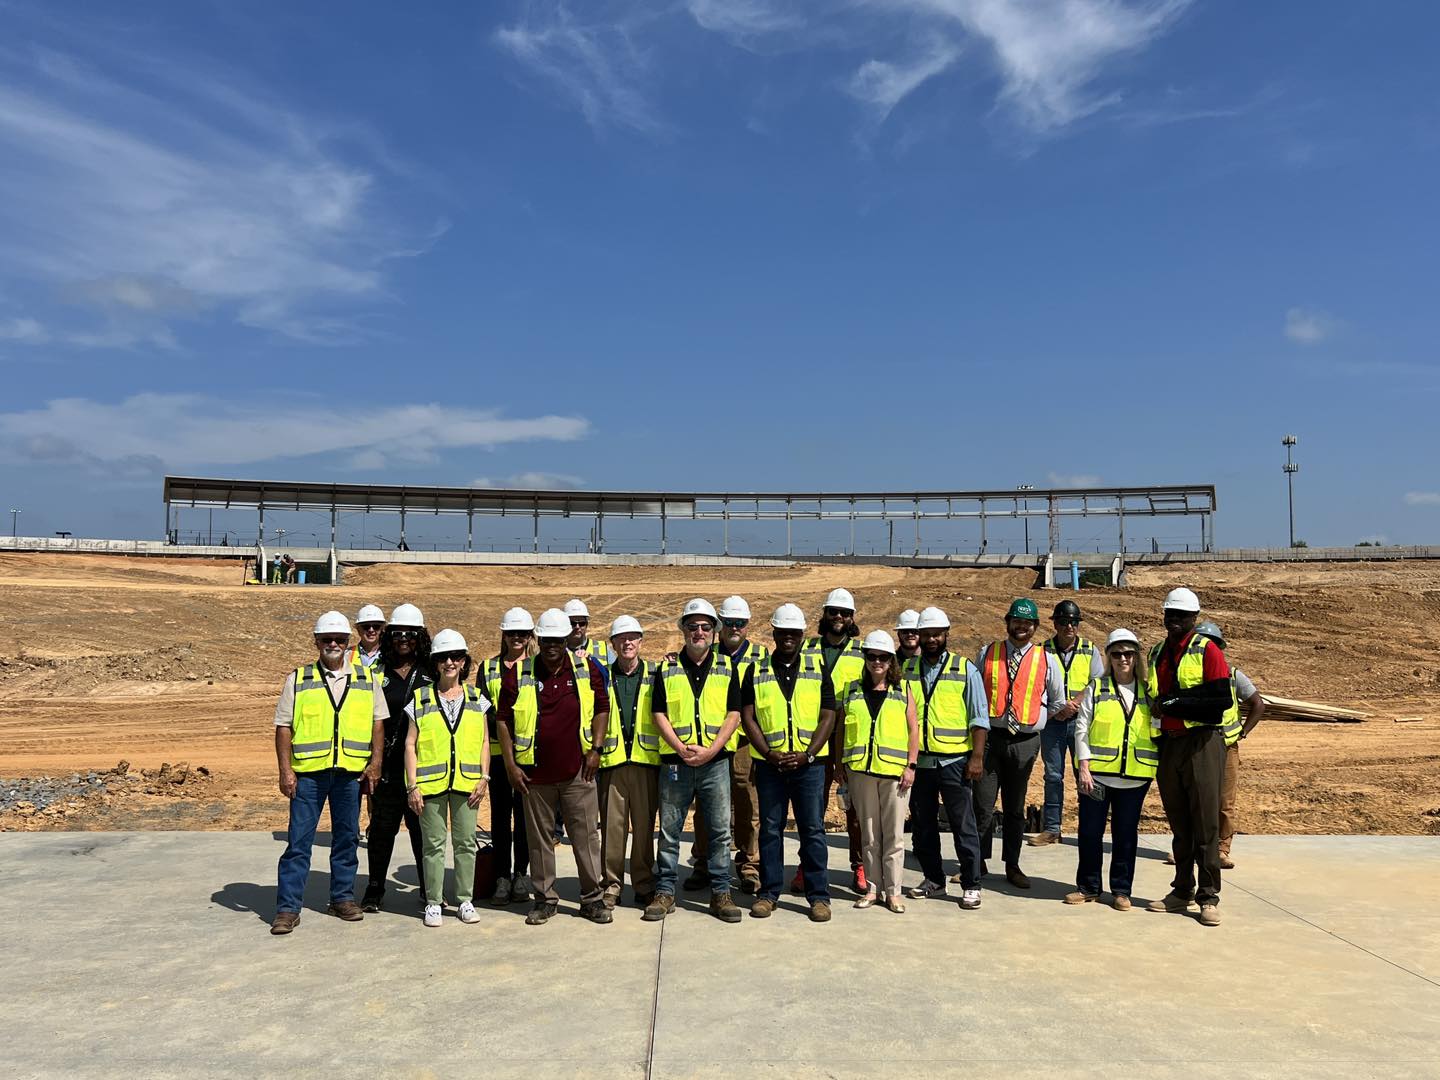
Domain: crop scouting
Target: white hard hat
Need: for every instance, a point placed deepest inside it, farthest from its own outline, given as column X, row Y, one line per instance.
column 576, row 608
column 407, row 615
column 517, row 618
column 332, row 622
column 840, row 598
column 369, row 613
column 734, row 607
column 909, row 619
column 1181, row 600
column 879, row 641
column 626, row 624
column 788, row 617
column 932, row 618
column 698, row 606
column 1120, row 635
column 448, row 641
column 553, row 623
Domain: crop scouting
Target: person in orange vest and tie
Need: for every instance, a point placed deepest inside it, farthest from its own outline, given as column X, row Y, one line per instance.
column 1013, row 672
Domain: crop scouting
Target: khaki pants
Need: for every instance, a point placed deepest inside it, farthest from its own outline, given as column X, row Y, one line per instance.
column 1228, row 795
column 629, row 806
column 744, row 815
column 579, row 803
column 881, row 807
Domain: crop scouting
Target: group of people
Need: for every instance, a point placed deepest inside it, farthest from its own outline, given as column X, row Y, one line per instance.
column 565, row 728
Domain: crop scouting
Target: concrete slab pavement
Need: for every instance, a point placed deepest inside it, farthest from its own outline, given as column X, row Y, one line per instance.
column 148, row 954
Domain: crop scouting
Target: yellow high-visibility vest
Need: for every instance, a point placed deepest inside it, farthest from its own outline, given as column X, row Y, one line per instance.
column 789, row 724
column 1120, row 744
column 448, row 760
column 527, row 708
column 944, row 716
column 645, row 746
column 324, row 735
column 878, row 745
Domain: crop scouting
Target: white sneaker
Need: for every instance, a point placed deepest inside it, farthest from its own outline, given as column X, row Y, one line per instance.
column 467, row 913
column 970, row 900
column 432, row 914
column 927, row 890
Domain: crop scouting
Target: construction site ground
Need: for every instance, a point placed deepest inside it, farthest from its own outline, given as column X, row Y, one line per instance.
column 176, row 662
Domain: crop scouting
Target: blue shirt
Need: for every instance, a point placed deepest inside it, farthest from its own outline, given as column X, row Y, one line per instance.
column 975, row 704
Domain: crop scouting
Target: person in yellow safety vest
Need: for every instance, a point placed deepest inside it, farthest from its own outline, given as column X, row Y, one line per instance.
column 880, row 743
column 787, row 707
column 507, row 808
column 696, row 706
column 1235, row 729
column 369, row 625
column 329, row 729
column 1190, row 694
column 838, row 647
column 1072, row 663
column 1117, row 756
column 553, row 714
column 907, row 635
column 447, row 764
column 629, row 774
column 1014, row 672
column 580, row 644
column 732, row 638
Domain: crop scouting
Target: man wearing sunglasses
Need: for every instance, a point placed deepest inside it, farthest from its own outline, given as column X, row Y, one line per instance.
column 329, row 729
column 1071, row 664
column 369, row 625
column 580, row 641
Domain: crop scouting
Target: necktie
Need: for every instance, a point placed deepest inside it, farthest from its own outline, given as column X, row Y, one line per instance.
column 1012, row 723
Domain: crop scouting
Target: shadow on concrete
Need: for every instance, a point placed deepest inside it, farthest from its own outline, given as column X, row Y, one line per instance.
column 259, row 899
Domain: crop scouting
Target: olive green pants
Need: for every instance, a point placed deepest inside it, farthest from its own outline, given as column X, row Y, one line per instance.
column 461, row 815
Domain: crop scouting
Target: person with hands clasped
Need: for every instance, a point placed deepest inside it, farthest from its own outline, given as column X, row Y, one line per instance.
column 447, row 763
column 879, row 747
column 1071, row 664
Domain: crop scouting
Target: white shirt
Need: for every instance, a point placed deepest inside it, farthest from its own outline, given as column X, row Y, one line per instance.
column 1082, row 734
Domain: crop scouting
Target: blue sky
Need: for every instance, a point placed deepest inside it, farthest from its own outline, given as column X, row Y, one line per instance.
column 748, row 244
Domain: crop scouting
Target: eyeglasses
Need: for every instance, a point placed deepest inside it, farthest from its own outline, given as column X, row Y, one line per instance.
column 1067, row 622
column 837, row 612
column 1123, row 654
column 698, row 626
column 735, row 624
column 579, row 622
column 449, row 658
column 328, row 640
column 404, row 634
column 877, row 658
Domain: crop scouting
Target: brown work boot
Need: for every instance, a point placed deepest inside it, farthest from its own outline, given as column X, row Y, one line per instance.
column 285, row 921
column 1079, row 897
column 723, row 908
column 1015, row 876
column 762, row 908
column 348, row 910
column 1209, row 915
column 820, row 911
column 1226, row 863
column 1173, row 902
column 1041, row 839
column 663, row 904
column 1121, row 903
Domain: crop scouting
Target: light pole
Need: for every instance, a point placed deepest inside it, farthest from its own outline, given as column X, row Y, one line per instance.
column 13, row 515
column 1290, row 470
column 1026, row 487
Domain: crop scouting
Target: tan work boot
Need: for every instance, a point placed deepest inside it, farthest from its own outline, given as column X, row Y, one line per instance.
column 1041, row 839
column 762, row 908
column 1209, row 915
column 820, row 911
column 1079, row 897
column 723, row 908
column 1121, row 903
column 348, row 910
column 1226, row 863
column 663, row 904
column 1173, row 902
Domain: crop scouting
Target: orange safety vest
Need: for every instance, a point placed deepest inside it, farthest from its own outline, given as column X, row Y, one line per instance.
column 1029, row 686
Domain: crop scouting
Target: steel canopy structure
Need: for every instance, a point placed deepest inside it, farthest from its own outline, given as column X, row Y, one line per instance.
column 1053, row 504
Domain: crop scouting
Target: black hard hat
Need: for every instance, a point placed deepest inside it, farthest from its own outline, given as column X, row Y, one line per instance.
column 1066, row 609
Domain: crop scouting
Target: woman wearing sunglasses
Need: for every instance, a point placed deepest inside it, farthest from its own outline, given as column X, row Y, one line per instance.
column 447, row 761
column 881, row 742
column 507, row 807
column 1115, row 746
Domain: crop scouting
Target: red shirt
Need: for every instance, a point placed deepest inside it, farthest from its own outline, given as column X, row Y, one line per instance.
column 1168, row 662
column 557, row 736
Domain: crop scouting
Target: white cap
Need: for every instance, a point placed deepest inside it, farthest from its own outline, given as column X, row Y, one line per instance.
column 698, row 606
column 448, row 641
column 626, row 624
column 734, row 607
column 909, row 619
column 517, row 618
column 369, row 613
column 553, row 623
column 407, row 615
column 1181, row 600
column 576, row 608
column 879, row 641
column 1120, row 635
column 332, row 622
column 840, row 598
column 788, row 617
column 932, row 618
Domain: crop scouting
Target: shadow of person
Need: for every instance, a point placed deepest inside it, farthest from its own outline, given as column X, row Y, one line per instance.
column 253, row 897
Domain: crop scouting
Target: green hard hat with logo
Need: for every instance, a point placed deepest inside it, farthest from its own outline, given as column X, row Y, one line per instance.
column 1023, row 608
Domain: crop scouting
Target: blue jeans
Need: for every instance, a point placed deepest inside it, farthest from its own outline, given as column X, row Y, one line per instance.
column 803, row 789
column 312, row 790
column 1055, row 740
column 709, row 787
column 1123, row 807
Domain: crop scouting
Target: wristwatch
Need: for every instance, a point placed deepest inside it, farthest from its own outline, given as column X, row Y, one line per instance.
column 809, row 758
column 911, row 765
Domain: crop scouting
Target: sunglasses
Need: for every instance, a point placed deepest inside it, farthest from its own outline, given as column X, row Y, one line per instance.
column 837, row 612
column 518, row 633
column 551, row 642
column 449, row 658
column 877, row 658
column 404, row 634
column 370, row 627
column 908, row 633
column 579, row 622
column 1123, row 654
column 735, row 624
column 1067, row 622
column 700, row 627
column 328, row 640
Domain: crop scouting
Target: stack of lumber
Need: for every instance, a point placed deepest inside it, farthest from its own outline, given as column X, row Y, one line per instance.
column 1279, row 708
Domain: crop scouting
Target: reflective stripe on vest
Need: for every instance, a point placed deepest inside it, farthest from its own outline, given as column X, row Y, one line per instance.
column 324, row 735
column 699, row 721
column 599, row 648
column 645, row 746
column 1230, row 725
column 1121, row 745
column 788, row 724
column 1029, row 688
column 849, row 665
column 526, row 713
column 1189, row 672
column 1076, row 677
column 448, row 760
column 877, row 745
column 944, row 716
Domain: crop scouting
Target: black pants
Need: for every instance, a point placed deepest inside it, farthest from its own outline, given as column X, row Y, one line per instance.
column 388, row 808
column 507, row 825
column 1008, row 762
column 947, row 783
column 1192, row 768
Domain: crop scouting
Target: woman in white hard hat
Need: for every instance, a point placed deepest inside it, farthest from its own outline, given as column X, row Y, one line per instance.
column 447, row 764
column 1117, row 755
column 880, row 745
column 507, row 807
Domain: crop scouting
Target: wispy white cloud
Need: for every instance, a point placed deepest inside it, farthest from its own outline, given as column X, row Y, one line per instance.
column 1076, row 480
column 113, row 334
column 1422, row 498
column 541, row 481
column 880, row 85
column 183, row 430
column 743, row 19
column 1308, row 326
column 23, row 331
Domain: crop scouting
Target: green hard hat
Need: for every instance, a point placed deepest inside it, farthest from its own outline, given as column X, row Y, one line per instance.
column 1023, row 608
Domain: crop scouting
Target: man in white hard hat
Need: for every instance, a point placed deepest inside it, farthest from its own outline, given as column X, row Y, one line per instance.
column 369, row 625
column 696, row 706
column 579, row 641
column 907, row 635
column 553, row 713
column 1190, row 688
column 329, row 729
column 1071, row 664
column 629, row 775
column 733, row 639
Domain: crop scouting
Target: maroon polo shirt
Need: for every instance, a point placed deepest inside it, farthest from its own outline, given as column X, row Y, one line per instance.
column 557, row 735
column 1168, row 662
